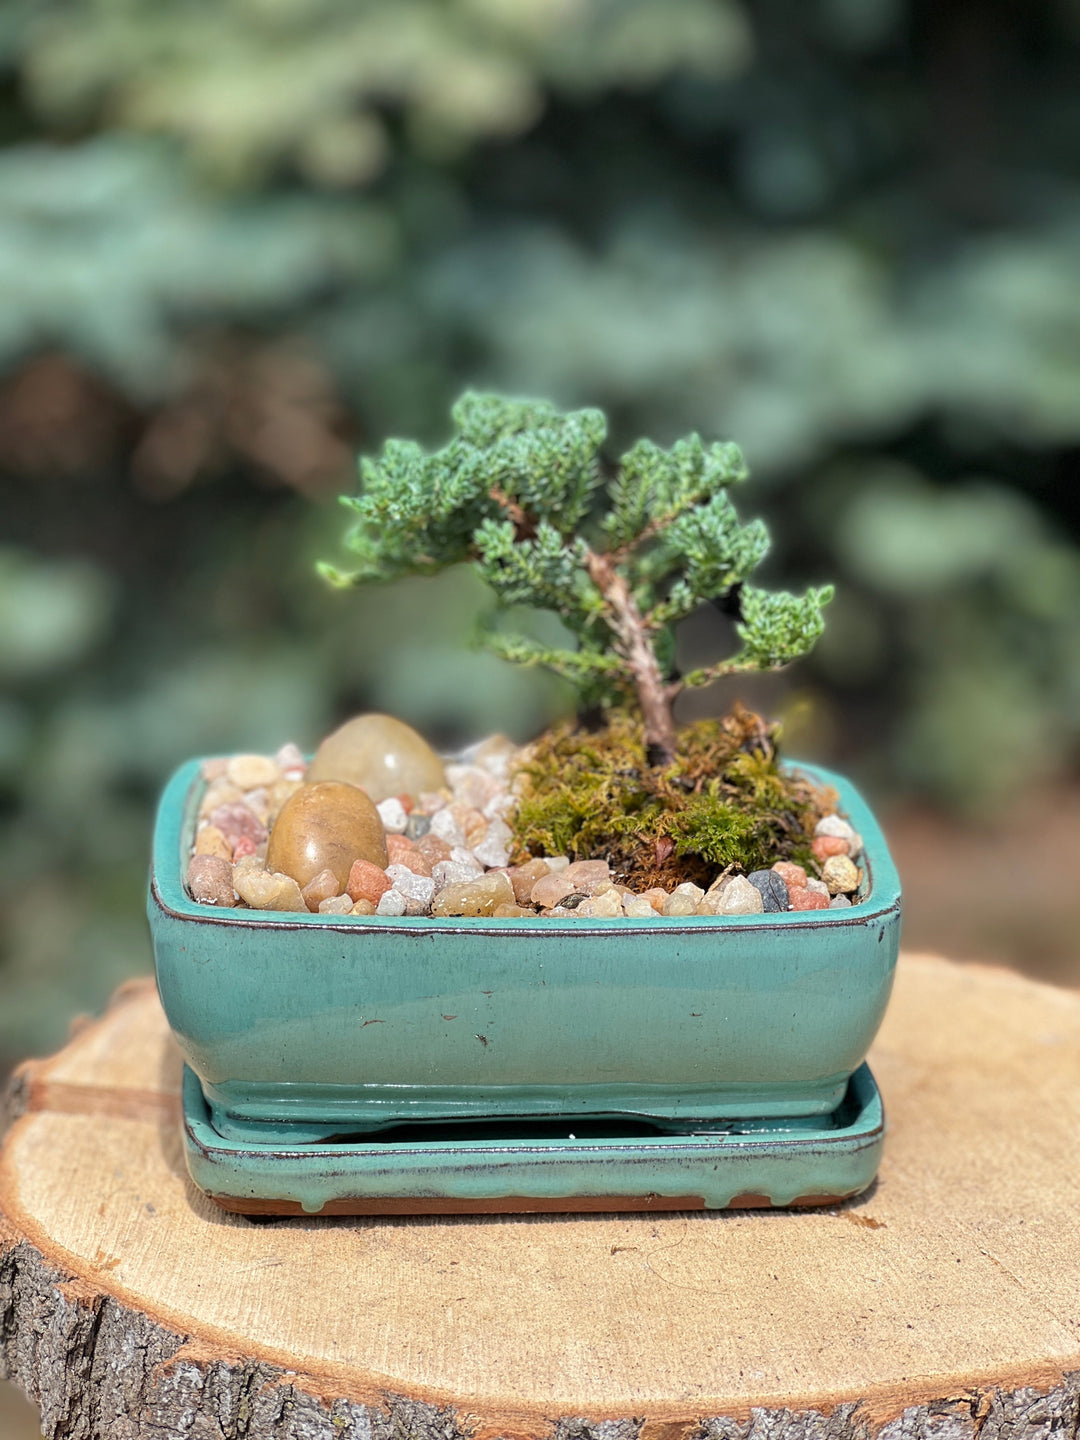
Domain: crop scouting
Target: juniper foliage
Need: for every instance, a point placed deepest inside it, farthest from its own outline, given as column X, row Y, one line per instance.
column 520, row 492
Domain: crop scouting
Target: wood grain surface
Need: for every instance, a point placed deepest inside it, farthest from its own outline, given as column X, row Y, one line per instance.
column 946, row 1302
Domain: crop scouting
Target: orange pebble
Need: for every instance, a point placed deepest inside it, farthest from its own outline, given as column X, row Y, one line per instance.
column 826, row 845
column 398, row 849
column 367, row 882
column 803, row 899
column 414, row 860
column 793, row 876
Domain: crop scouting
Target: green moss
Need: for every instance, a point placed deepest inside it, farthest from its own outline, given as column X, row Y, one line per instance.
column 726, row 803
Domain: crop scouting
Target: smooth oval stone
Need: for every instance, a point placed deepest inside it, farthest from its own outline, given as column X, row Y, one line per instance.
column 326, row 826
column 382, row 755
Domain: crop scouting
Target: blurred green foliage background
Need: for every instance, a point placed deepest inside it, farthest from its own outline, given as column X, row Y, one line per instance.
column 238, row 242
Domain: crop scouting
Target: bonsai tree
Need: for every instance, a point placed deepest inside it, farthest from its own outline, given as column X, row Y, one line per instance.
column 620, row 557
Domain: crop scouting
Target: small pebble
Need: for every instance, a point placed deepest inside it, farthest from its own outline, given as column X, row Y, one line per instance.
column 210, row 880
column 657, row 898
column 418, row 890
column 834, row 825
column 323, row 886
column 367, row 882
column 694, row 892
column 637, row 907
column 494, row 755
column 511, row 912
column 393, row 816
column 251, row 772
column 415, row 861
column 524, row 877
column 840, row 874
column 556, row 863
column 818, row 886
column 213, row 769
column 211, row 841
column 397, row 847
column 741, row 898
column 446, row 826
column 258, row 802
column 235, row 819
column 478, row 897
column 606, row 905
column 391, row 903
column 265, row 890
column 501, row 806
column 219, row 792
column 551, row 890
column 677, row 904
column 416, row 826
column 773, row 890
column 803, row 898
column 588, row 875
column 339, row 905
column 244, row 846
column 839, row 902
column 494, row 848
column 428, row 801
column 793, row 876
column 825, row 846
column 290, row 761
column 364, row 907
column 433, row 849
column 472, row 785
column 451, row 872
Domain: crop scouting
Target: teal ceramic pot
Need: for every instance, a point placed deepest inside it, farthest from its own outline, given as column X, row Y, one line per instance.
column 343, row 1025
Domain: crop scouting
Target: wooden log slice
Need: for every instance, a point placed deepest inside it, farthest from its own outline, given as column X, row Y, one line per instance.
column 945, row 1303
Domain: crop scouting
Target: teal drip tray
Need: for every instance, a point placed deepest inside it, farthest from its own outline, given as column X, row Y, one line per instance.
column 578, row 1164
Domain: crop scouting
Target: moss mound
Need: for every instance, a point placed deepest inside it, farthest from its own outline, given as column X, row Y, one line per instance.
column 726, row 803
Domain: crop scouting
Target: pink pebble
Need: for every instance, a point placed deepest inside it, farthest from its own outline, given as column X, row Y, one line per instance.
column 804, row 899
column 235, row 819
column 244, row 846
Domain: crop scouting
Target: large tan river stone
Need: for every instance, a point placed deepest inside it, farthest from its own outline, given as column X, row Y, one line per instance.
column 326, row 826
column 382, row 755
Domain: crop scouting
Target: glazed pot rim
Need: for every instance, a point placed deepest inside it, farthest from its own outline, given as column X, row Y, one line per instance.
column 176, row 820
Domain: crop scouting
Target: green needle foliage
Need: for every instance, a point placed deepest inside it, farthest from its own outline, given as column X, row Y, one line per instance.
column 520, row 492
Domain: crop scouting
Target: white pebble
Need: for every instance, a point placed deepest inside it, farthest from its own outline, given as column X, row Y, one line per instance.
column 741, row 898
column 555, row 863
column 637, row 907
column 500, row 806
column 449, row 872
column 445, row 827
column 839, row 902
column 290, row 761
column 694, row 892
column 393, row 816
column 460, row 856
column 392, row 902
column 812, row 883
column 249, row 772
column 494, row 849
column 336, row 905
column 418, row 890
column 834, row 825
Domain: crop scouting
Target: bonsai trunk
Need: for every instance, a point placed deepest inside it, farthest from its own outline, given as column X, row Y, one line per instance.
column 656, row 696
